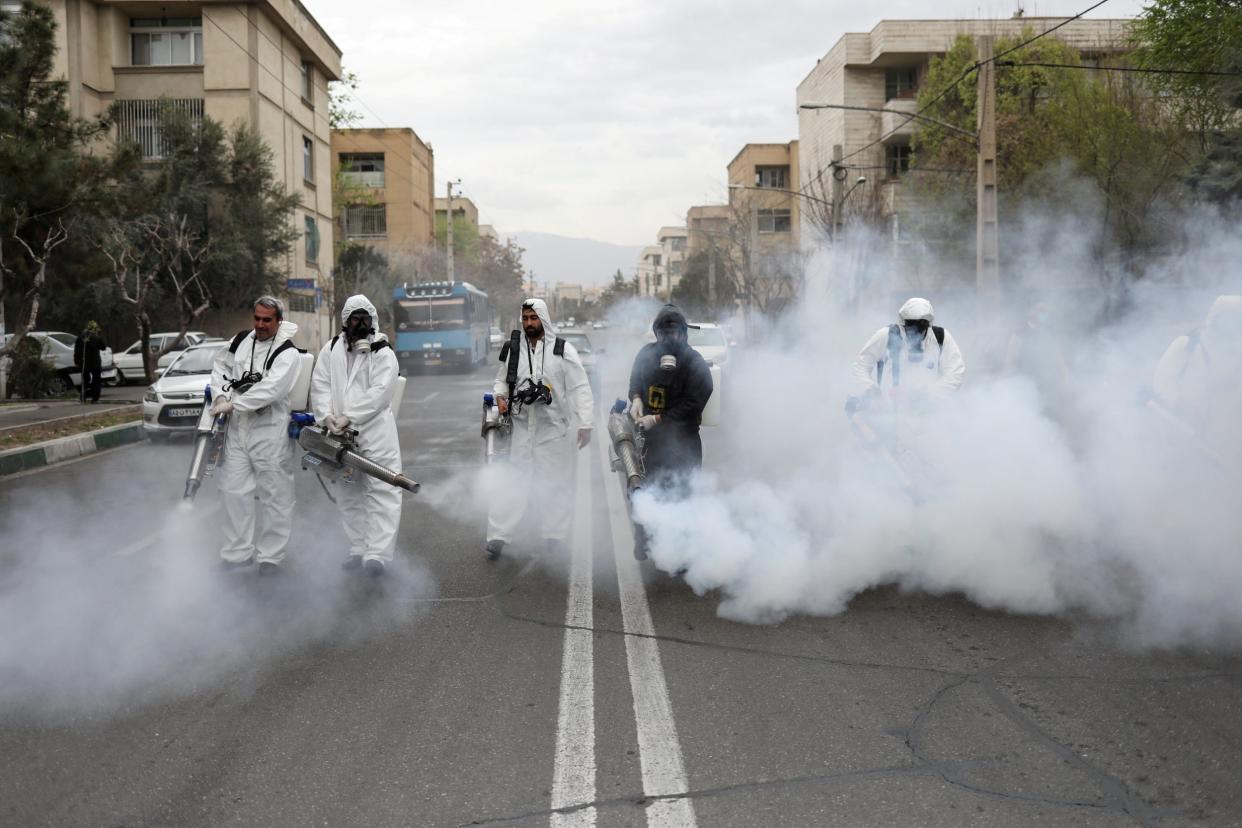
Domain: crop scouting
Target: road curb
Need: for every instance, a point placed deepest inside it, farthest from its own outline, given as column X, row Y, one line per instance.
column 72, row 447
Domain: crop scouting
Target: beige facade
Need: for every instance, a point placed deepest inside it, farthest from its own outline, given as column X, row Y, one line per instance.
column 264, row 63
column 707, row 227
column 463, row 208
column 385, row 180
column 763, row 190
column 884, row 69
column 650, row 270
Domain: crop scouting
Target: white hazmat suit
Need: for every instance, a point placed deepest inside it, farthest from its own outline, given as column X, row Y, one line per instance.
column 939, row 369
column 258, row 452
column 1196, row 379
column 360, row 385
column 544, row 439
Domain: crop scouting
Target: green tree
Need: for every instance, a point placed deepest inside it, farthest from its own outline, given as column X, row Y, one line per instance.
column 1103, row 128
column 206, row 227
column 618, row 290
column 50, row 186
column 693, row 292
column 362, row 269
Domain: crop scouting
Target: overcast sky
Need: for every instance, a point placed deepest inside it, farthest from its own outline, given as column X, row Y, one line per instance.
column 605, row 121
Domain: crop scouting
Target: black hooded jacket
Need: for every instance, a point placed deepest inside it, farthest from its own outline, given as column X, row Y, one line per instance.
column 678, row 396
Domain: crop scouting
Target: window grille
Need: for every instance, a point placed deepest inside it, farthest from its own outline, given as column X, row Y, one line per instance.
column 138, row 121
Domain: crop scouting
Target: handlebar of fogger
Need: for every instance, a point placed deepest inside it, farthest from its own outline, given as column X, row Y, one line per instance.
column 332, row 455
column 209, row 437
column 495, row 431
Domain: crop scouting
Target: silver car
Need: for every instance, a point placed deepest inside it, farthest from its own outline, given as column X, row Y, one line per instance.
column 172, row 403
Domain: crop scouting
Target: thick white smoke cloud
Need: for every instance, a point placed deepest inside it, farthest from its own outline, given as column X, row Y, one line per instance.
column 1029, row 496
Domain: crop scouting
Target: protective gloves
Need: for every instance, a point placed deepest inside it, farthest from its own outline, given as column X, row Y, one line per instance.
column 337, row 423
column 635, row 409
column 220, row 406
column 648, row 421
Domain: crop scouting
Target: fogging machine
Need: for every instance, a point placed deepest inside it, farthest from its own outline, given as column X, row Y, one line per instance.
column 209, row 437
column 336, row 456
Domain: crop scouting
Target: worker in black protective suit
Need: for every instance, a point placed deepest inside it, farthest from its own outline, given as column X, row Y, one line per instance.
column 670, row 385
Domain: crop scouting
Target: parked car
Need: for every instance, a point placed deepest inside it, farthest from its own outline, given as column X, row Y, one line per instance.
column 58, row 349
column 495, row 338
column 129, row 362
column 710, row 341
column 174, row 401
column 587, row 353
column 599, row 325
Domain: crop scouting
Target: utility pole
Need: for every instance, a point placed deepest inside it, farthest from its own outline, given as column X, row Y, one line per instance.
column 448, row 234
column 711, row 277
column 987, row 244
column 838, row 196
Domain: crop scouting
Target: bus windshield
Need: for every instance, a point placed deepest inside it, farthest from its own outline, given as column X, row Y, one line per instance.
column 430, row 314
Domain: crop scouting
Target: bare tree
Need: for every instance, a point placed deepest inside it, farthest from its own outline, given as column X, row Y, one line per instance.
column 39, row 255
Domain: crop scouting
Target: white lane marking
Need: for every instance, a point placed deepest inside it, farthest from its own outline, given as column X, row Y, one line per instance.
column 426, row 399
column 659, row 751
column 573, row 774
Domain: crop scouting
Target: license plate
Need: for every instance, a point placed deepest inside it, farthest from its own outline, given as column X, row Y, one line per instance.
column 183, row 412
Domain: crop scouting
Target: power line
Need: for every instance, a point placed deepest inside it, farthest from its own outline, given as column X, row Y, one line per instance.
column 974, row 67
column 1125, row 69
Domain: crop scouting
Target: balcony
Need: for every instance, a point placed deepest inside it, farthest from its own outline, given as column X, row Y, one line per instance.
column 891, row 122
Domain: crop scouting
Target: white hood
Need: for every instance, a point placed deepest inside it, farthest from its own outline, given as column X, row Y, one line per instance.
column 540, row 307
column 359, row 302
column 287, row 330
column 916, row 308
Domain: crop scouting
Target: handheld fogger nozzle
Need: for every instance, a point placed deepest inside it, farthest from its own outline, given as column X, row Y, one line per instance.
column 332, row 454
column 627, row 443
column 495, row 431
column 208, row 446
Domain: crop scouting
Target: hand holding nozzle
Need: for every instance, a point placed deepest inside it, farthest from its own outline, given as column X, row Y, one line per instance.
column 337, row 423
column 221, row 406
column 635, row 409
column 502, row 403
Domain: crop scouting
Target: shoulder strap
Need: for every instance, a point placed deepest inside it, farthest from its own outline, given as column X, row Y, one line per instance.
column 237, row 341
column 558, row 347
column 334, row 339
column 512, row 353
column 280, row 349
column 939, row 332
column 380, row 345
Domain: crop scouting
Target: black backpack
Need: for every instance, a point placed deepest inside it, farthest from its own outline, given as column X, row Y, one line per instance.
column 271, row 358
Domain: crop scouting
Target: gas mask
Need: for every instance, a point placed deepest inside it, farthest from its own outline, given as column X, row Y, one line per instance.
column 670, row 337
column 358, row 330
column 915, row 330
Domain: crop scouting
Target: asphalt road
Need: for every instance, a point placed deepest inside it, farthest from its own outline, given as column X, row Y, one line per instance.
column 141, row 686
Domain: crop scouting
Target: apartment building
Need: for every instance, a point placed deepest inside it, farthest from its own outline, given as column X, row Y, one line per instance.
column 708, row 226
column 762, row 190
column 264, row 63
column 883, row 70
column 650, row 270
column 463, row 209
column 385, row 180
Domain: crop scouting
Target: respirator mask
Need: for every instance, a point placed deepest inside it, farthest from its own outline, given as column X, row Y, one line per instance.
column 915, row 330
column 670, row 337
column 358, row 330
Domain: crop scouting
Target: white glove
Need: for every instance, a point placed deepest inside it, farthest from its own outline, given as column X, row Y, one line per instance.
column 636, row 409
column 648, row 421
column 220, row 405
column 337, row 423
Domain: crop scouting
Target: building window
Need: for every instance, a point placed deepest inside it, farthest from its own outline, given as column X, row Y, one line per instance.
column 897, row 159
column 677, row 243
column 308, row 81
column 300, row 303
column 312, row 240
column 308, row 159
column 362, row 169
column 775, row 221
column 366, row 221
column 901, row 83
column 776, row 178
column 138, row 122
column 166, row 41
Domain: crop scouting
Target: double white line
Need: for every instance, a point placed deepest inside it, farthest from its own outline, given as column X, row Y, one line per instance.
column 663, row 770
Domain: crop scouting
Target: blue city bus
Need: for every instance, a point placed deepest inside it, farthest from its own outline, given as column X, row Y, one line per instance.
column 441, row 323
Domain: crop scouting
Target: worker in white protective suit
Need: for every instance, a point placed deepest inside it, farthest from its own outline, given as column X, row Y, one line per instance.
column 914, row 353
column 251, row 381
column 1196, row 381
column 352, row 387
column 552, row 412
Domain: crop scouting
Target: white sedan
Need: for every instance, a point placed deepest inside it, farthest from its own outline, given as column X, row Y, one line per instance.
column 58, row 349
column 129, row 362
column 174, row 401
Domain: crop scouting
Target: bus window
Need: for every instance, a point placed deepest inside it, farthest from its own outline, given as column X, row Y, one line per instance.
column 430, row 314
